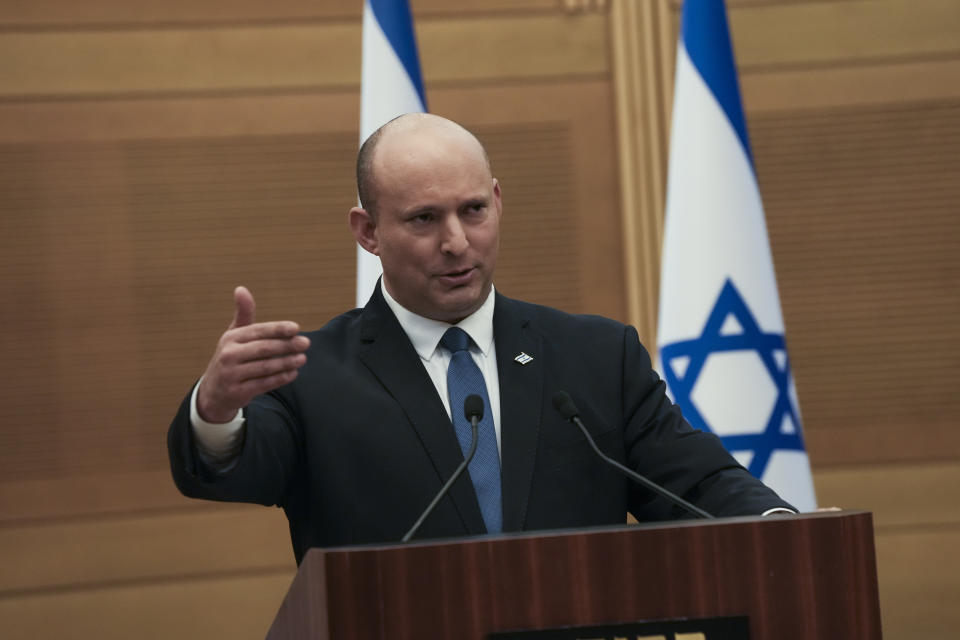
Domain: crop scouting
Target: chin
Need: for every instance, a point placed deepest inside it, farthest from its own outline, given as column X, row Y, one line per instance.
column 453, row 305
column 453, row 312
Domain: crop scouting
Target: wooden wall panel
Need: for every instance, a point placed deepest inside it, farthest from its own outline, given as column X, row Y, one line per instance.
column 237, row 607
column 34, row 14
column 120, row 237
column 174, row 60
column 217, row 59
column 49, row 14
column 777, row 35
column 861, row 207
column 176, row 118
column 837, row 87
column 135, row 180
column 917, row 570
column 916, row 511
column 58, row 499
column 513, row 47
column 902, row 497
column 88, row 553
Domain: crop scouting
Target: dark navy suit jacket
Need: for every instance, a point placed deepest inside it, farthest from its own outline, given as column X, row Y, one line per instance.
column 357, row 446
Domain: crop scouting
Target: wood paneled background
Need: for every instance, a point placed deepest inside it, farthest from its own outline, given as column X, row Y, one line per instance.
column 154, row 155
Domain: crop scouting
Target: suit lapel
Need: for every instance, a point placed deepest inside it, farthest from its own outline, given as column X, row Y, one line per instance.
column 521, row 399
column 386, row 350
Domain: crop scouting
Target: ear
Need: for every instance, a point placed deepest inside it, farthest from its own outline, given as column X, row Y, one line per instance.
column 364, row 229
column 496, row 197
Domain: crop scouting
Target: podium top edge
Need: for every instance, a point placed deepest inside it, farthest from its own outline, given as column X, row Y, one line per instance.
column 599, row 530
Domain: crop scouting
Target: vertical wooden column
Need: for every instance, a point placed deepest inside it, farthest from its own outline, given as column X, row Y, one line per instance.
column 642, row 43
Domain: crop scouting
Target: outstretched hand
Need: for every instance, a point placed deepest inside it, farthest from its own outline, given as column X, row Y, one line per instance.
column 251, row 358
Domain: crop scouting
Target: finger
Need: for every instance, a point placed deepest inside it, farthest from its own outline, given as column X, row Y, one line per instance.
column 256, row 386
column 244, row 307
column 239, row 353
column 281, row 329
column 268, row 368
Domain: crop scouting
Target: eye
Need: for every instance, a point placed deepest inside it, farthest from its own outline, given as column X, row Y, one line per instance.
column 421, row 218
column 476, row 207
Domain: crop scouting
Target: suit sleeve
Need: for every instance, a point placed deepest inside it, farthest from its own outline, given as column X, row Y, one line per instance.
column 270, row 456
column 662, row 445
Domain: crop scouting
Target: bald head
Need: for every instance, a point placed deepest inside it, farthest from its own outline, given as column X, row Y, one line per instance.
column 405, row 136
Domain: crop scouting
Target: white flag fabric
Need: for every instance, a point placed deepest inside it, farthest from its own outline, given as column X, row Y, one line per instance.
column 391, row 85
column 720, row 332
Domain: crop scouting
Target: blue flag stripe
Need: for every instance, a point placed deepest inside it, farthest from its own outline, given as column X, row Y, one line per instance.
column 706, row 38
column 397, row 23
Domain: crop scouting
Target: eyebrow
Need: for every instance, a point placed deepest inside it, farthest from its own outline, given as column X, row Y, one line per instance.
column 471, row 202
column 418, row 210
column 429, row 208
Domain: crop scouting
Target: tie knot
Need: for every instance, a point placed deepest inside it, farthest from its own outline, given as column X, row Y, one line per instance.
column 455, row 339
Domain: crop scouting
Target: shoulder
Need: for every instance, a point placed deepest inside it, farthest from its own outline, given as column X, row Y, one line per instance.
column 338, row 324
column 555, row 321
column 345, row 334
column 590, row 340
column 336, row 333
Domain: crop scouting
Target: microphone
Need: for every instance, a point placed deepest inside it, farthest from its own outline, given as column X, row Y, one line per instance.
column 472, row 411
column 563, row 403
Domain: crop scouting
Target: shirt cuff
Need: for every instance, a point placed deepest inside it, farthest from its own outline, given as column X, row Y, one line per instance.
column 778, row 510
column 217, row 443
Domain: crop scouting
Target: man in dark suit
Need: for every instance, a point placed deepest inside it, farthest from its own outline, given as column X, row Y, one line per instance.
column 348, row 428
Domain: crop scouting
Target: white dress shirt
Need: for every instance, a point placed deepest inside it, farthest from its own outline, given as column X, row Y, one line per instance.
column 425, row 334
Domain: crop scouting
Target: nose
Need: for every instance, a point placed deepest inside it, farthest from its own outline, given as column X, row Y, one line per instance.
column 454, row 240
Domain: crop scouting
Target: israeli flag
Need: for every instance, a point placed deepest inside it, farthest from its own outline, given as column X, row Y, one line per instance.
column 720, row 329
column 391, row 85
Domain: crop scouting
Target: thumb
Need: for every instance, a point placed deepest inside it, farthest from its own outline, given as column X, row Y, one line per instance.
column 244, row 307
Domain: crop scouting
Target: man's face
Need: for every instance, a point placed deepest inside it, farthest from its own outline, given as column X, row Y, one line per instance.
column 437, row 226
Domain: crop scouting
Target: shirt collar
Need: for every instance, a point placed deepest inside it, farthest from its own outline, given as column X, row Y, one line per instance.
column 425, row 333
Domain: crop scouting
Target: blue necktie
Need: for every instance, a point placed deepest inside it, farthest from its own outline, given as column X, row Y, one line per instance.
column 463, row 379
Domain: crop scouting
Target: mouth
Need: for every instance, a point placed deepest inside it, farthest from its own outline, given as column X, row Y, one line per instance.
column 458, row 278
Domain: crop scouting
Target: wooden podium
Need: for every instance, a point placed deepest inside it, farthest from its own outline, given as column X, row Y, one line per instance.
column 794, row 577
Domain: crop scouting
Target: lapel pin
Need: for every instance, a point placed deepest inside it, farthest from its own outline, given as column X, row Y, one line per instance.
column 523, row 358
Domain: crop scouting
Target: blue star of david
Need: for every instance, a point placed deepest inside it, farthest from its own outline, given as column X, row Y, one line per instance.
column 763, row 444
